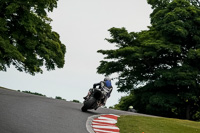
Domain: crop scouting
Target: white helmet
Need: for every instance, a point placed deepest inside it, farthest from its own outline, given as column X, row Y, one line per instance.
column 107, row 78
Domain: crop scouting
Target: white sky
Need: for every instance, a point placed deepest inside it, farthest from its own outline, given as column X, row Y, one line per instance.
column 83, row 26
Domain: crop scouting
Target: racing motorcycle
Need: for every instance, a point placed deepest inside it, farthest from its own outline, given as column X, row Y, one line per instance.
column 94, row 100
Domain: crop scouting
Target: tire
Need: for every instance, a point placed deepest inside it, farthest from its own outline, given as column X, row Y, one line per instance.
column 84, row 109
column 88, row 104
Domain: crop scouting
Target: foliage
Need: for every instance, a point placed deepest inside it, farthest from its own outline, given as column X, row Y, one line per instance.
column 196, row 116
column 76, row 101
column 111, row 107
column 38, row 94
column 34, row 93
column 26, row 37
column 161, row 64
column 143, row 124
column 58, row 97
column 124, row 102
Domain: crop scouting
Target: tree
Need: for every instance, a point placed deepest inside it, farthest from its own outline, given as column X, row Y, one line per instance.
column 160, row 64
column 26, row 37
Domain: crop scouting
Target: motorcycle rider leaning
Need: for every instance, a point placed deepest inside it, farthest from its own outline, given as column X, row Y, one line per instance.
column 106, row 86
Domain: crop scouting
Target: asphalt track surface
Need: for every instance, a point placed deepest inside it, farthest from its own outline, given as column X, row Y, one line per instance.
column 26, row 113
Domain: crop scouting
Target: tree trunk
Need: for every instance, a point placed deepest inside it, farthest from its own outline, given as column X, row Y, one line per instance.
column 188, row 112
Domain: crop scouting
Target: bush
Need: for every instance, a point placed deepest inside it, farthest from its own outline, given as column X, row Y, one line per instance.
column 76, row 101
column 196, row 116
column 34, row 93
column 58, row 97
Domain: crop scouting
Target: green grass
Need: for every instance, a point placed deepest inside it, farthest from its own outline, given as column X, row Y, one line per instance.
column 142, row 124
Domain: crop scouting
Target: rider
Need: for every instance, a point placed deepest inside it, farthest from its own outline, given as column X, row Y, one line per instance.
column 131, row 109
column 104, row 85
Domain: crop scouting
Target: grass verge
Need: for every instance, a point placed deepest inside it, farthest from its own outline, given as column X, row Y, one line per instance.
column 142, row 124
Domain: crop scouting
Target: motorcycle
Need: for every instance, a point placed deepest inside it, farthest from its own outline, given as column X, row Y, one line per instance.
column 94, row 100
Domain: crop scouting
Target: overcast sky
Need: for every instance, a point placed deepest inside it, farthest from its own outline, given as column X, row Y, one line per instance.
column 83, row 26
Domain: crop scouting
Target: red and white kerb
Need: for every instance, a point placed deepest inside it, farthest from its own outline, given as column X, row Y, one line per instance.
column 105, row 124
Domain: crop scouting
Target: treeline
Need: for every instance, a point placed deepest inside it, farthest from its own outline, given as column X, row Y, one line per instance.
column 57, row 97
column 34, row 93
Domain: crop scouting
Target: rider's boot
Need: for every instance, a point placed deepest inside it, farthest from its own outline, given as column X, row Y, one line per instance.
column 86, row 97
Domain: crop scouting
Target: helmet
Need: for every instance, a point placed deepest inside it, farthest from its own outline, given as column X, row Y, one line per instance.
column 130, row 107
column 107, row 78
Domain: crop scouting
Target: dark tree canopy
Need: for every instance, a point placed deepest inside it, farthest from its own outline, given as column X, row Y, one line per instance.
column 161, row 65
column 26, row 37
